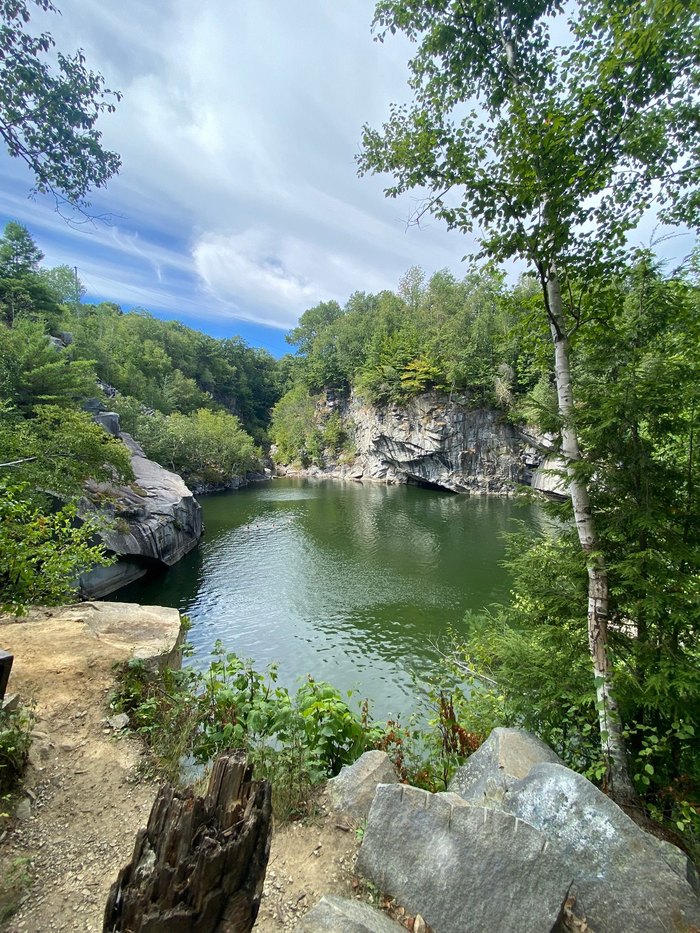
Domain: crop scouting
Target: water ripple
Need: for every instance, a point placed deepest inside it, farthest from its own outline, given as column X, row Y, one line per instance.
column 351, row 583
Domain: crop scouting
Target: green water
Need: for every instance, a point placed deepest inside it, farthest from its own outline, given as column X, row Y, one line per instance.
column 352, row 583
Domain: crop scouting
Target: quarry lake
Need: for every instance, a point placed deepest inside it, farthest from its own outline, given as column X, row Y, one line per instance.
column 351, row 583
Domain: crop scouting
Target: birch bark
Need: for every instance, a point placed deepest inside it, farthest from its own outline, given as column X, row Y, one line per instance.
column 619, row 783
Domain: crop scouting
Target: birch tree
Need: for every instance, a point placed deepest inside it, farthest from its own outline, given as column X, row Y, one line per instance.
column 551, row 150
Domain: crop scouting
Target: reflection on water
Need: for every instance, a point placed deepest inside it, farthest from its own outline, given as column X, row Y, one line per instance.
column 350, row 583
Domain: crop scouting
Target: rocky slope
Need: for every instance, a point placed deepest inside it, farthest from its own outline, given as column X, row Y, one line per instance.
column 155, row 521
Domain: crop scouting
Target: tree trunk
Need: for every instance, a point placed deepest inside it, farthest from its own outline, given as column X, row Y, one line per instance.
column 200, row 864
column 620, row 786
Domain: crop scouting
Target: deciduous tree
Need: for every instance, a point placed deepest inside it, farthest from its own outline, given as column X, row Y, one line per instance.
column 48, row 113
column 554, row 151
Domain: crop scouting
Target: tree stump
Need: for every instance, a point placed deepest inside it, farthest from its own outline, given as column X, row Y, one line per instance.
column 199, row 866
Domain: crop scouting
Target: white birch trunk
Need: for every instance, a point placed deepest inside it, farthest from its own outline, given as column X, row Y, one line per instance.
column 620, row 785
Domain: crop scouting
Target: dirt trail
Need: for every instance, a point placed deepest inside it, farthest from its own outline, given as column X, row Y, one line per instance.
column 87, row 799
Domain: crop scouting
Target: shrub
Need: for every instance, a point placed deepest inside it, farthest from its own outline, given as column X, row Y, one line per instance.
column 15, row 742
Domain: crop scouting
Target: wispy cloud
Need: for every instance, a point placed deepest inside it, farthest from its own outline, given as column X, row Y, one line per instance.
column 238, row 196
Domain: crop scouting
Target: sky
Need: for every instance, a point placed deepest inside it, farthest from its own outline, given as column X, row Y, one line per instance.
column 238, row 204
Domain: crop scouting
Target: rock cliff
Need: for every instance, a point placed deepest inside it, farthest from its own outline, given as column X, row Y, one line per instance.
column 441, row 441
column 436, row 440
column 154, row 522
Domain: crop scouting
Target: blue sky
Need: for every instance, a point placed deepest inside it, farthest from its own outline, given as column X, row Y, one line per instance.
column 238, row 205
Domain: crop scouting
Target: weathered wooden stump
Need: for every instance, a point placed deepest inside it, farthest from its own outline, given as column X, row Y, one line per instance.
column 199, row 866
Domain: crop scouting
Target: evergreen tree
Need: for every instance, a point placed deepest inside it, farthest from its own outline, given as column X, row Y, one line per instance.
column 19, row 254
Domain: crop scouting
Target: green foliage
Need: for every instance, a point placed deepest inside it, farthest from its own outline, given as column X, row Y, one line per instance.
column 636, row 364
column 24, row 289
column 42, row 553
column 34, row 372
column 60, row 449
column 527, row 665
column 205, row 446
column 555, row 152
column 19, row 254
column 15, row 741
column 334, row 434
column 49, row 106
column 296, row 740
column 63, row 284
column 551, row 149
column 444, row 334
column 171, row 368
column 294, row 427
column 312, row 323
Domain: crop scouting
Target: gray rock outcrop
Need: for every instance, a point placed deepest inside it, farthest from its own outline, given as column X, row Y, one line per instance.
column 524, row 841
column 439, row 440
column 507, row 756
column 549, row 478
column 352, row 790
column 622, row 881
column 109, row 420
column 155, row 521
column 464, row 868
column 341, row 915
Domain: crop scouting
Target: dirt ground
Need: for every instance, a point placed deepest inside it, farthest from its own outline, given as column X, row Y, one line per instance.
column 85, row 798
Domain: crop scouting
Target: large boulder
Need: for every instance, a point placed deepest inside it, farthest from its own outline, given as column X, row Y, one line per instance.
column 340, row 915
column 352, row 791
column 87, row 631
column 508, row 755
column 623, row 882
column 462, row 867
column 151, row 634
column 109, row 420
column 156, row 520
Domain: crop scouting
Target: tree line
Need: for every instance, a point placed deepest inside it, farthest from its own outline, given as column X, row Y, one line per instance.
column 197, row 405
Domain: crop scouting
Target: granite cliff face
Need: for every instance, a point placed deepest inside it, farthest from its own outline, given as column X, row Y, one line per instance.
column 441, row 441
column 436, row 440
column 156, row 520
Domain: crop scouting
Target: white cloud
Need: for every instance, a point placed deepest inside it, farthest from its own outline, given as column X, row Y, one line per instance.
column 256, row 269
column 238, row 127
